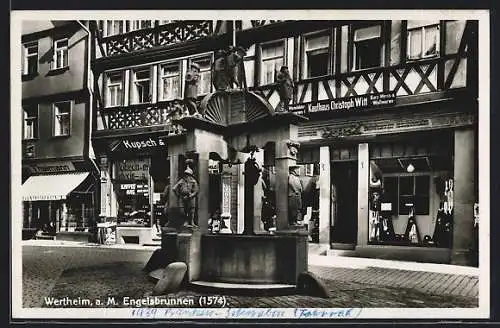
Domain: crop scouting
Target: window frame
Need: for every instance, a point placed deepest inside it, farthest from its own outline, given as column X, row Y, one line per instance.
column 422, row 43
column 354, row 42
column 26, row 55
column 35, row 108
column 54, row 117
column 206, row 70
column 122, row 88
column 65, row 52
column 162, row 76
column 262, row 60
column 304, row 75
column 135, row 93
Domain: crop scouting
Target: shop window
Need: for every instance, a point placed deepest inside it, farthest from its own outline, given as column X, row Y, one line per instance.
column 423, row 40
column 414, row 192
column 62, row 118
column 142, row 86
column 367, row 51
column 316, row 56
column 30, row 122
column 30, row 58
column 115, row 89
column 132, row 187
column 170, row 81
column 272, row 60
column 205, row 80
column 60, row 59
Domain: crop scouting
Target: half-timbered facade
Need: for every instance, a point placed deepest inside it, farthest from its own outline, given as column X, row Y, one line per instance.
column 392, row 108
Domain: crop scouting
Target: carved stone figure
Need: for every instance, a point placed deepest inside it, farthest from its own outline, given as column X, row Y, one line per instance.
column 220, row 79
column 295, row 190
column 186, row 189
column 285, row 87
column 234, row 66
column 191, row 88
column 293, row 148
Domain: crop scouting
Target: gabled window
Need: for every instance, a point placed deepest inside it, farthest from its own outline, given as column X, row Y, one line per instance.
column 316, row 55
column 205, row 81
column 30, row 122
column 115, row 89
column 423, row 39
column 30, row 58
column 367, row 51
column 142, row 86
column 60, row 59
column 62, row 118
column 170, row 85
column 273, row 57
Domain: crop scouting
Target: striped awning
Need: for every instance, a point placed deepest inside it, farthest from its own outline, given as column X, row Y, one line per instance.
column 51, row 187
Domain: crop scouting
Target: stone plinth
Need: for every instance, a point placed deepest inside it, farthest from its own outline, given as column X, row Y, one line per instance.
column 183, row 246
column 254, row 259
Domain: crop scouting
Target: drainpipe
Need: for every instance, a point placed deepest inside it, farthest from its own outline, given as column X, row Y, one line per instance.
column 91, row 97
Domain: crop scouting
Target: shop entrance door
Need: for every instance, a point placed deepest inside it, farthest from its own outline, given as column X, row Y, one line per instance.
column 344, row 220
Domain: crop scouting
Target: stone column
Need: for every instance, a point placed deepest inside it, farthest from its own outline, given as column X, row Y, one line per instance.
column 30, row 214
column 283, row 161
column 324, row 195
column 241, row 200
column 64, row 216
column 203, row 210
column 50, row 212
column 258, row 194
column 463, row 195
column 363, row 185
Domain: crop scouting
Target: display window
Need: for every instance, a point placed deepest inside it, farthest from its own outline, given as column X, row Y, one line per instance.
column 132, row 188
column 410, row 198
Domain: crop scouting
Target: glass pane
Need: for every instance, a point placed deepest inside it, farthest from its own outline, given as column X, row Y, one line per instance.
column 268, row 72
column 421, row 205
column 367, row 33
column 420, row 23
column 317, row 42
column 368, row 53
column 65, row 58
column 61, row 43
column 204, row 63
column 140, row 75
column 406, row 185
column 405, row 204
column 205, row 81
column 317, row 64
column 171, row 88
column 273, row 50
column 32, row 65
column 115, row 79
column 422, row 184
column 415, row 43
column 170, row 69
column 430, row 46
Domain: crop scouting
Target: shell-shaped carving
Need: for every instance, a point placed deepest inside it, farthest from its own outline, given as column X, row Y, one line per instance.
column 217, row 106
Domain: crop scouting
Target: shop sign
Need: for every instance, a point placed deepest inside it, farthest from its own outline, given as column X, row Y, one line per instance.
column 128, row 188
column 132, row 169
column 346, row 104
column 137, row 144
column 53, row 167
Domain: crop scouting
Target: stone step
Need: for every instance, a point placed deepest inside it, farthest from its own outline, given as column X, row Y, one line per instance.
column 242, row 289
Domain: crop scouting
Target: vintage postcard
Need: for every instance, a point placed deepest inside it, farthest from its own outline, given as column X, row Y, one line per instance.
column 319, row 164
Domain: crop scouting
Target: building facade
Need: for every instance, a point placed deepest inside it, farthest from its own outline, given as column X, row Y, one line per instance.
column 58, row 171
column 388, row 155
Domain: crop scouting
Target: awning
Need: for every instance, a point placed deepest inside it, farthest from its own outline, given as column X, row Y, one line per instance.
column 51, row 187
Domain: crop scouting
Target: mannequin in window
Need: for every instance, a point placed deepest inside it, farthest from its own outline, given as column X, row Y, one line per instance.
column 412, row 234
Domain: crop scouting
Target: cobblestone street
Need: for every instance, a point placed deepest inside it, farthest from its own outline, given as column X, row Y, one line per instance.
column 99, row 273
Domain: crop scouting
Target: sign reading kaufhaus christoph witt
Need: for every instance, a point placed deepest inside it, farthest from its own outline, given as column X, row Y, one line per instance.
column 346, row 104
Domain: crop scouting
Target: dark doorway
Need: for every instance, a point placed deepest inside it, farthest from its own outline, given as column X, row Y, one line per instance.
column 344, row 220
